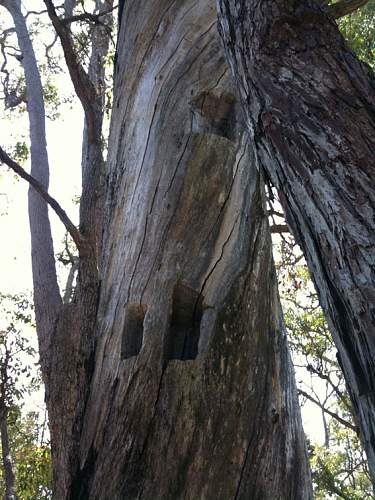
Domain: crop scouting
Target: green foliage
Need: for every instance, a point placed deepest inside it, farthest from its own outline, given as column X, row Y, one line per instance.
column 359, row 30
column 340, row 471
column 339, row 468
column 19, row 378
column 20, row 152
column 15, row 347
column 33, row 461
column 52, row 99
column 31, row 457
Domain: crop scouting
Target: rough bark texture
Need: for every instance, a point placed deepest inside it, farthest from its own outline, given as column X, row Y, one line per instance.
column 191, row 390
column 310, row 108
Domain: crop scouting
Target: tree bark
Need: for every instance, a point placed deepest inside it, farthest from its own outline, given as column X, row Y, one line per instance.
column 92, row 151
column 310, row 108
column 185, row 388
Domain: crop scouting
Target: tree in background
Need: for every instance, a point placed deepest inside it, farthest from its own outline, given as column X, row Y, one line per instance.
column 358, row 29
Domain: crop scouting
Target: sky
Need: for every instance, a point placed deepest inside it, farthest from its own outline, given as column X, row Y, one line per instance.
column 64, row 149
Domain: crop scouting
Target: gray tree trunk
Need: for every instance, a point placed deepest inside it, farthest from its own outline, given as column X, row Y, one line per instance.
column 310, row 108
column 183, row 387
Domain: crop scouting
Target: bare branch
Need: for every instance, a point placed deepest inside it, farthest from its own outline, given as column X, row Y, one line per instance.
column 70, row 227
column 345, row 7
column 328, row 412
column 83, row 86
column 88, row 16
column 49, row 48
column 35, row 13
column 334, row 386
column 275, row 212
column 279, row 228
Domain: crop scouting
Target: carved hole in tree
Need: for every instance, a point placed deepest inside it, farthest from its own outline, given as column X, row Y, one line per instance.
column 132, row 337
column 214, row 114
column 185, row 324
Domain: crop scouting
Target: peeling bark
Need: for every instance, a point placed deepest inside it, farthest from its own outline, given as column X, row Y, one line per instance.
column 310, row 109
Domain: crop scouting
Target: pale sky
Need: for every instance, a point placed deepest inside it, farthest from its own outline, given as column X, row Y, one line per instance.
column 64, row 148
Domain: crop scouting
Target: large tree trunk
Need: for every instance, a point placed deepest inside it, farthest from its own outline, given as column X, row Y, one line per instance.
column 310, row 108
column 192, row 393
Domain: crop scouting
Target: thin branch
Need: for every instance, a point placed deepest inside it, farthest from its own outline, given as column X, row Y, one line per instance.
column 88, row 16
column 345, row 7
column 336, row 389
column 35, row 13
column 70, row 227
column 83, row 86
column 329, row 412
column 275, row 212
column 49, row 48
column 279, row 228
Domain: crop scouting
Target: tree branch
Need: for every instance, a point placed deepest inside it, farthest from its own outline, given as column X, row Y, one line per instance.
column 337, row 391
column 70, row 227
column 83, row 86
column 275, row 212
column 88, row 16
column 279, row 228
column 329, row 412
column 345, row 7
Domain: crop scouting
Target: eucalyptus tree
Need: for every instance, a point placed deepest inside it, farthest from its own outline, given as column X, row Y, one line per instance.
column 168, row 375
column 310, row 108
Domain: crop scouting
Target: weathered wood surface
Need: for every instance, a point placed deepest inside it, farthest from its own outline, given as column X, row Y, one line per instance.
column 310, row 108
column 192, row 394
column 168, row 376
